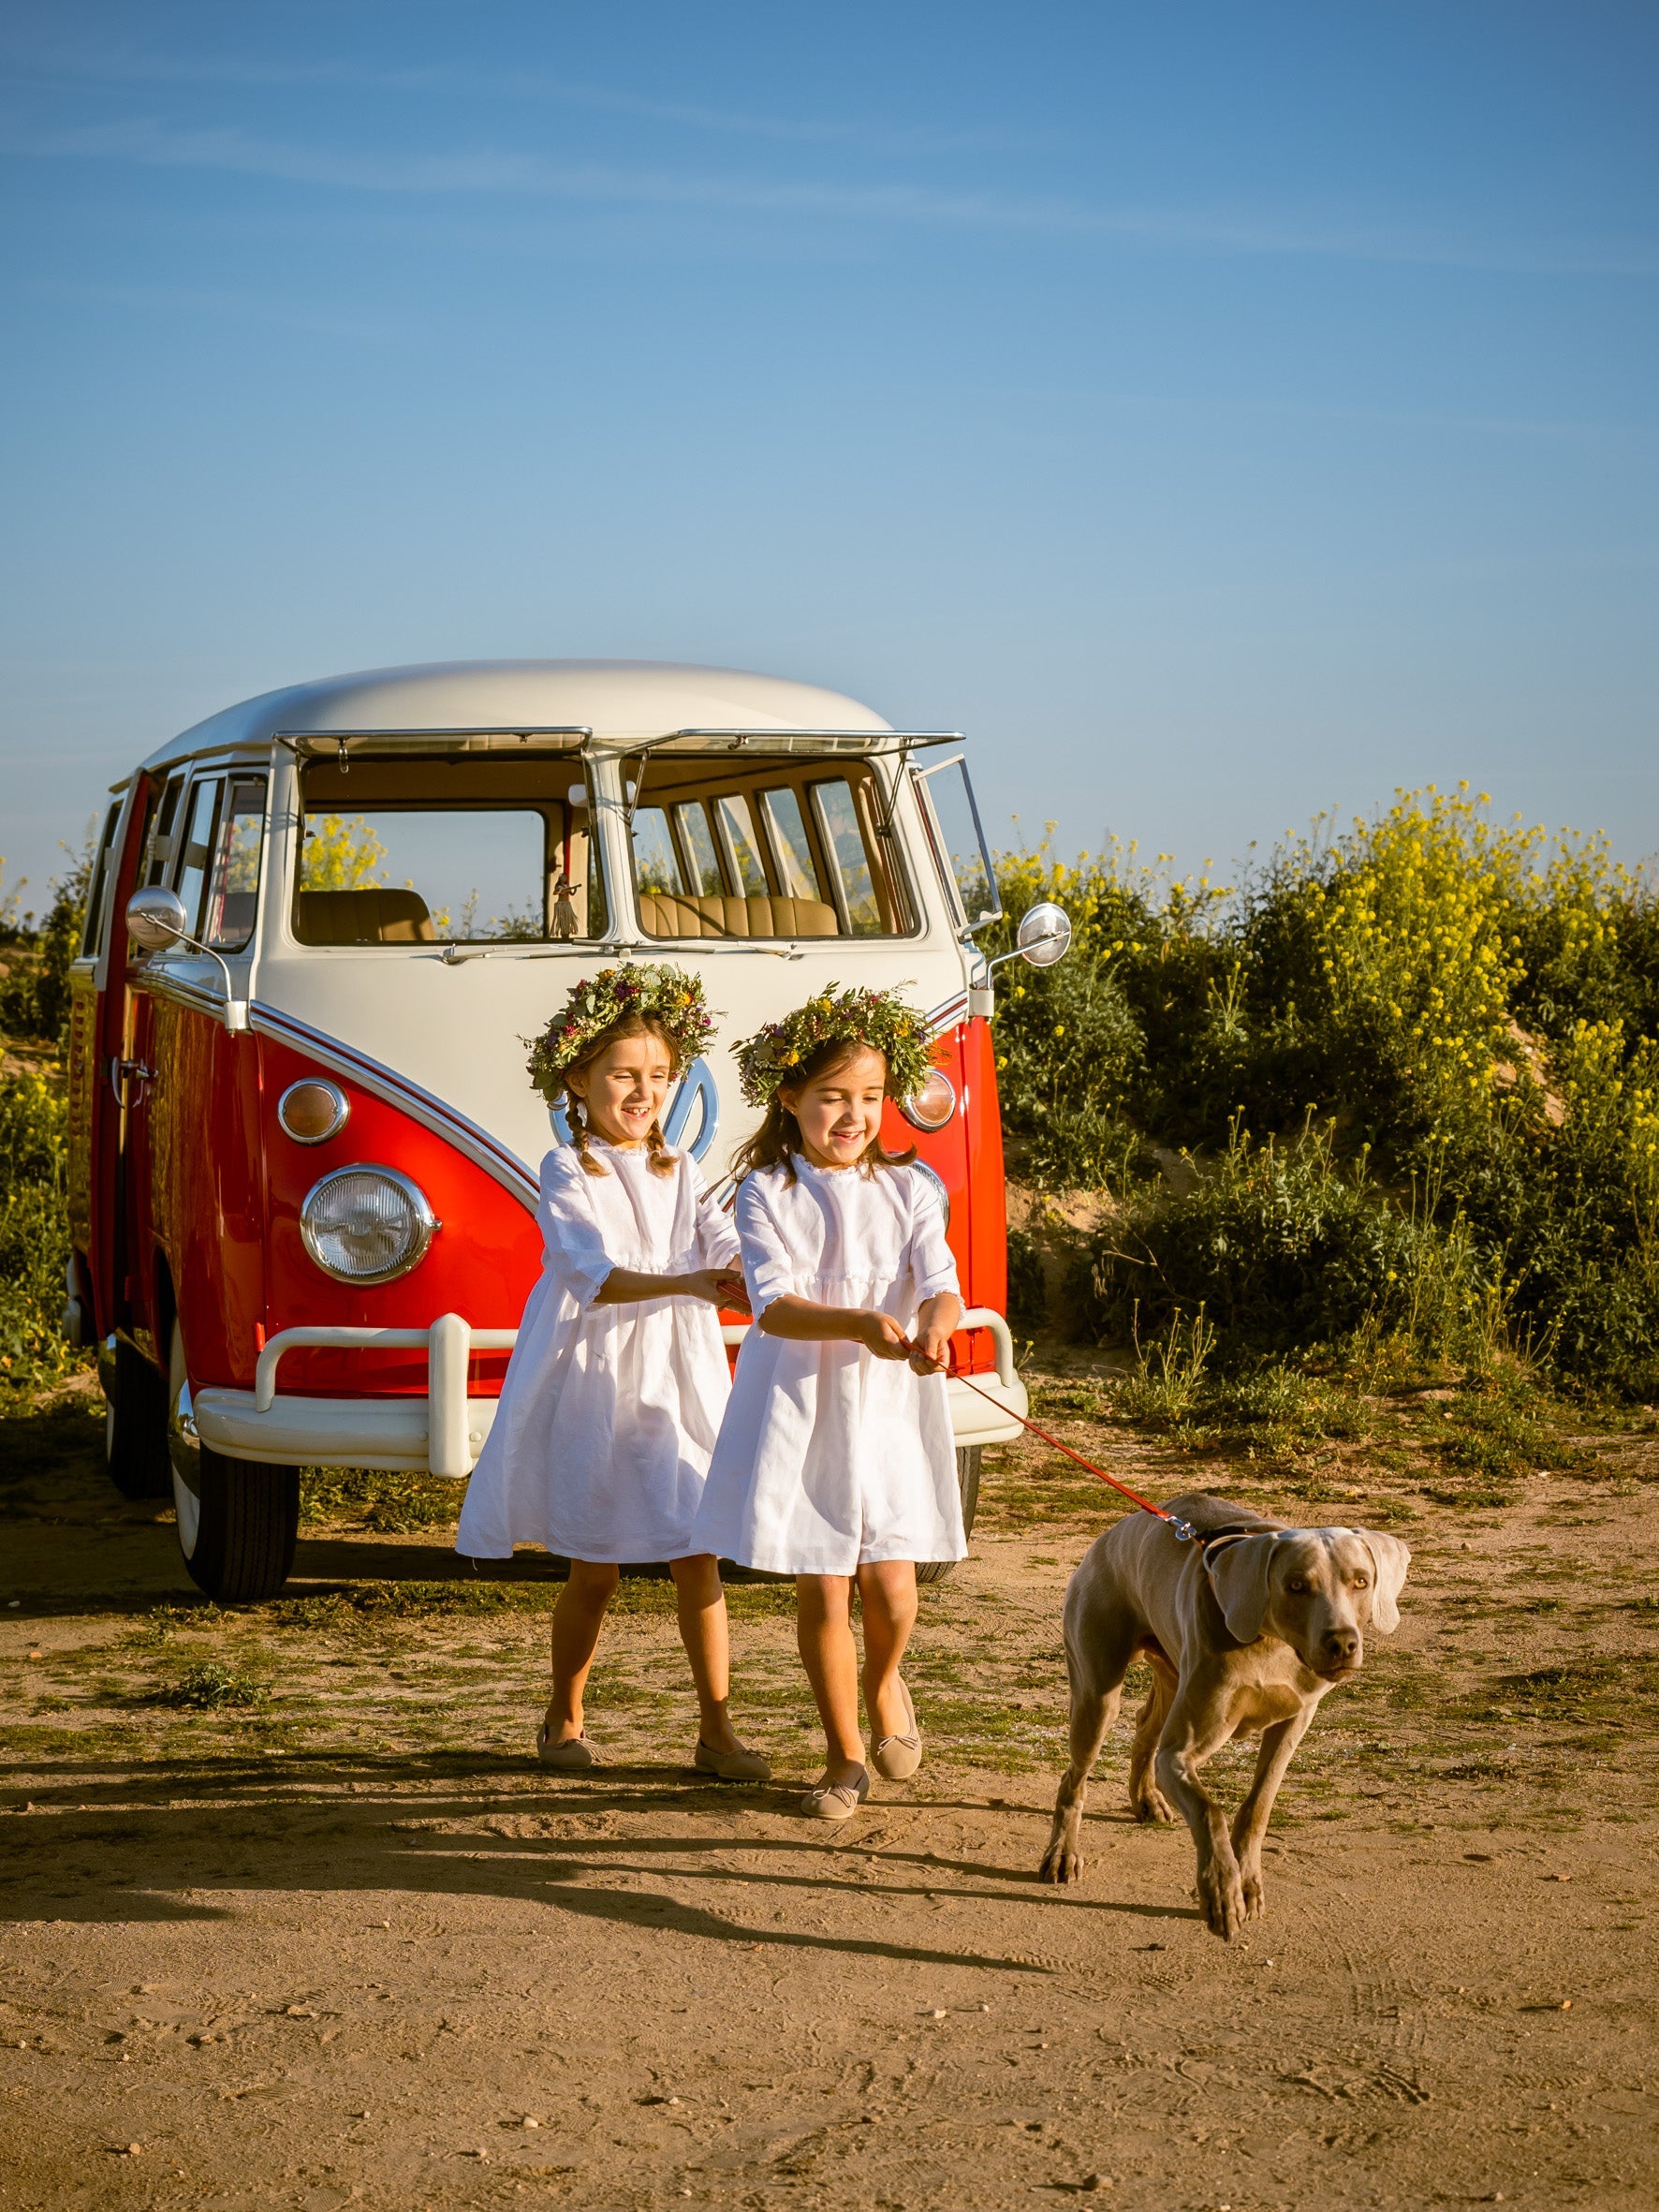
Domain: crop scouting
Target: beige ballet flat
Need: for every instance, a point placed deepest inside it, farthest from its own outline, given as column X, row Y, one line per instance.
column 836, row 1801
column 575, row 1755
column 897, row 1758
column 741, row 1765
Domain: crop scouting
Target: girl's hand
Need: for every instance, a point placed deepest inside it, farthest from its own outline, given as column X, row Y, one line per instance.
column 878, row 1332
column 935, row 1324
column 932, row 1347
column 716, row 1286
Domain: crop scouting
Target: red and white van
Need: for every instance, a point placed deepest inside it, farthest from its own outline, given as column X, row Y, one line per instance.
column 320, row 927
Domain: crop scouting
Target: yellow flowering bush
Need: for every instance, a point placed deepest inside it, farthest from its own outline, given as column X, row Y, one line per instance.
column 1465, row 1008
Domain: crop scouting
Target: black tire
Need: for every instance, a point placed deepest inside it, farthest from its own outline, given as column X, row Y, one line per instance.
column 967, row 1476
column 134, row 1425
column 238, row 1518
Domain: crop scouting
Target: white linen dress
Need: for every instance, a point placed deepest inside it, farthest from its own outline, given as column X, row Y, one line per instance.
column 830, row 1458
column 608, row 1413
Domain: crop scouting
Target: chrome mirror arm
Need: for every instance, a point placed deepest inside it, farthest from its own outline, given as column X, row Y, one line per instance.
column 155, row 920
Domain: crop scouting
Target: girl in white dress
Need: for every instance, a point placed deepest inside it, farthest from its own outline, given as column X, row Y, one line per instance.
column 836, row 1458
column 615, row 1390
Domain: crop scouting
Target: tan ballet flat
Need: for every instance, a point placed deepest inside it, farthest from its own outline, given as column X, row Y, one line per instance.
column 575, row 1755
column 897, row 1758
column 836, row 1801
column 741, row 1765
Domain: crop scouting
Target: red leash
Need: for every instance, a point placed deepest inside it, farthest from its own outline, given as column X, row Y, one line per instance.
column 1183, row 1529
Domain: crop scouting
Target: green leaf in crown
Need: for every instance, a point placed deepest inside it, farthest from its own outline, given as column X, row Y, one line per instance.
column 651, row 989
column 880, row 1019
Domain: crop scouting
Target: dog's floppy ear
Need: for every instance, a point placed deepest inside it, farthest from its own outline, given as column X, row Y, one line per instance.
column 1390, row 1559
column 1239, row 1577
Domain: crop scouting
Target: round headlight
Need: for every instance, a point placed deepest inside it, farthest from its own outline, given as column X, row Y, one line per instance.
column 932, row 1103
column 313, row 1111
column 921, row 1168
column 367, row 1224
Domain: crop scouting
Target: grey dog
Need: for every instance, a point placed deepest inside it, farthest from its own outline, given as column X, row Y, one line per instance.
column 1245, row 1629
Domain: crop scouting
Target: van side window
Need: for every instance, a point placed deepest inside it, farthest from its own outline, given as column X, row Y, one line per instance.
column 798, row 872
column 160, row 851
column 838, row 819
column 233, row 882
column 196, row 846
column 656, row 864
column 742, row 845
column 697, row 841
column 93, row 933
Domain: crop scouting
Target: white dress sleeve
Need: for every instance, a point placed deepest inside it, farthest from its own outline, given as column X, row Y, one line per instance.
column 717, row 1239
column 571, row 1235
column 768, row 1269
column 932, row 1267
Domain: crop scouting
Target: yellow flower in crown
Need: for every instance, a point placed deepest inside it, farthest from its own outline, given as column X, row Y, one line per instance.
column 879, row 1019
column 651, row 989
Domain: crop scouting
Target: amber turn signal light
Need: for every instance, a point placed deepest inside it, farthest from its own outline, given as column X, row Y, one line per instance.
column 312, row 1111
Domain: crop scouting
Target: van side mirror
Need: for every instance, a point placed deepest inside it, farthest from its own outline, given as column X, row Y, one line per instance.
column 155, row 918
column 1044, row 935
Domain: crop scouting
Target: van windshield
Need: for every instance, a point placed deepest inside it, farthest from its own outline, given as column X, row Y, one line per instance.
column 778, row 847
column 445, row 849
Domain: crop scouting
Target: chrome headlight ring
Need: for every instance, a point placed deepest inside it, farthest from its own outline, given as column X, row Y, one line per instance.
column 931, row 1105
column 921, row 1167
column 367, row 1223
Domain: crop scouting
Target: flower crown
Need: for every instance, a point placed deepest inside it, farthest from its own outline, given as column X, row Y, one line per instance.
column 879, row 1019
column 651, row 989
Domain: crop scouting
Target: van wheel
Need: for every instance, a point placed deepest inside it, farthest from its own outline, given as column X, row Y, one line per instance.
column 238, row 1518
column 967, row 1476
column 135, row 1424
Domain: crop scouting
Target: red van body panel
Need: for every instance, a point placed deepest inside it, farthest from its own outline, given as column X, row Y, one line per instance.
column 481, row 1264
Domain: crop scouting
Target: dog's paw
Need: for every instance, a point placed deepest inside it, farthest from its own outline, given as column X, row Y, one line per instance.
column 1254, row 1903
column 1221, row 1899
column 1151, row 1806
column 1059, row 1864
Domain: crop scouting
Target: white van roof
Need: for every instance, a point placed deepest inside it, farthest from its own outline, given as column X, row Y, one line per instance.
column 622, row 698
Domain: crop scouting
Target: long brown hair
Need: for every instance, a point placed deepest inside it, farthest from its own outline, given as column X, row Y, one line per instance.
column 661, row 1160
column 777, row 1139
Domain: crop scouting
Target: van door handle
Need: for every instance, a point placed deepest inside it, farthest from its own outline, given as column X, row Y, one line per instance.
column 122, row 1071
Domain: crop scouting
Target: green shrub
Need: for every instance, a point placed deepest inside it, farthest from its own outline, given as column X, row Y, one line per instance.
column 1281, row 1246
column 1443, row 1030
column 34, row 1233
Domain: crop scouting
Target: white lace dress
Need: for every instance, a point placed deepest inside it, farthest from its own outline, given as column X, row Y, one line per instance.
column 830, row 1458
column 608, row 1413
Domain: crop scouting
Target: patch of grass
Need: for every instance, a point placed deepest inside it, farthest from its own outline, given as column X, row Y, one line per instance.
column 209, row 1687
column 388, row 1502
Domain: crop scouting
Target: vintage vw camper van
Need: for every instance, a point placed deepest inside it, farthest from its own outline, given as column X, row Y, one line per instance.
column 321, row 924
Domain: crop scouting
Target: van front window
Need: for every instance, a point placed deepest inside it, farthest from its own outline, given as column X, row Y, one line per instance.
column 403, row 852
column 764, row 849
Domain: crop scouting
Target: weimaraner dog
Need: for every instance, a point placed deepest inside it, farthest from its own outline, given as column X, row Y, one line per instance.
column 1245, row 1626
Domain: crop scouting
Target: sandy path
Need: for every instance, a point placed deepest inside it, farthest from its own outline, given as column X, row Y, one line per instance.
column 338, row 1946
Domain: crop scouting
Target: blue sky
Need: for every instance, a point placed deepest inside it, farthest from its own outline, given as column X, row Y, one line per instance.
column 1222, row 412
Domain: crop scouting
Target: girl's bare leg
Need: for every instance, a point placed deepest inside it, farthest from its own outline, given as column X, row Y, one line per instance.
column 824, row 1630
column 578, row 1617
column 887, row 1592
column 707, row 1645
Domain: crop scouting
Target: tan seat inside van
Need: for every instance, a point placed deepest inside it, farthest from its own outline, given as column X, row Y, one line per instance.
column 662, row 914
column 373, row 917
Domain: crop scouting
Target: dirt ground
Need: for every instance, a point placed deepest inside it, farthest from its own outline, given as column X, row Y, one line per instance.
column 289, row 1917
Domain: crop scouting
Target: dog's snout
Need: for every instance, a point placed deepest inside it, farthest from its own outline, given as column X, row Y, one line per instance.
column 1342, row 1647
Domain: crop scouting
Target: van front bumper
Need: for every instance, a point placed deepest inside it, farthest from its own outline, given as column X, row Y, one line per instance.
column 444, row 1432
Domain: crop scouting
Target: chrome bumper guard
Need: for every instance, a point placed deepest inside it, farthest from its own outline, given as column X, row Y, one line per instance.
column 443, row 1433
